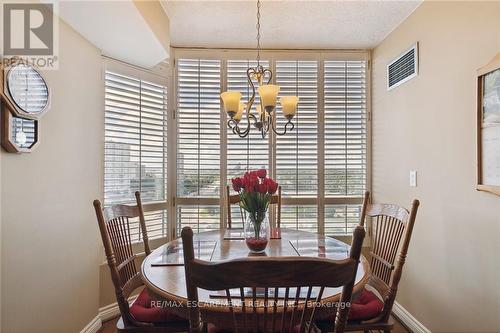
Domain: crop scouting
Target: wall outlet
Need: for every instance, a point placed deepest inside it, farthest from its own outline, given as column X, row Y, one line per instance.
column 413, row 178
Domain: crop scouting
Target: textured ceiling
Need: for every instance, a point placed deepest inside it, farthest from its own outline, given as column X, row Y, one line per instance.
column 285, row 24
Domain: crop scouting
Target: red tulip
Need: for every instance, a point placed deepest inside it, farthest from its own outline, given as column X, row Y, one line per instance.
column 262, row 188
column 261, row 173
column 237, row 184
column 272, row 187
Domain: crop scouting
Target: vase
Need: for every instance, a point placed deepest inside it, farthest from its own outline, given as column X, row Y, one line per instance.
column 257, row 232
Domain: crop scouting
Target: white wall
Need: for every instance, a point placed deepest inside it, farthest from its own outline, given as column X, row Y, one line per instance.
column 451, row 281
column 50, row 245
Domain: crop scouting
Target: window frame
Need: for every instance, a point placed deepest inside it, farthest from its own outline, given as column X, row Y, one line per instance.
column 272, row 56
column 161, row 75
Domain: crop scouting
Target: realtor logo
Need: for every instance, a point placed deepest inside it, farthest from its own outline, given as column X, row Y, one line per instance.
column 29, row 31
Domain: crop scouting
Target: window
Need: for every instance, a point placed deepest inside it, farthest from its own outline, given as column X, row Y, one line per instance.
column 198, row 144
column 345, row 142
column 135, row 143
column 297, row 151
column 321, row 164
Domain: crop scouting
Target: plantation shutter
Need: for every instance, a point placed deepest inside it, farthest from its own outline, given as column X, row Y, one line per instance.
column 135, row 146
column 345, row 141
column 198, row 144
column 297, row 151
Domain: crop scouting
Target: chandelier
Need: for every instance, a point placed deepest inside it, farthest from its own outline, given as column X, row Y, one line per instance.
column 265, row 118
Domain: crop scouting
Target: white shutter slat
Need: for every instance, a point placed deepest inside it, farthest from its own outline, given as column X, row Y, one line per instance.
column 198, row 141
column 135, row 147
column 200, row 218
column 297, row 152
column 198, row 128
column 345, row 141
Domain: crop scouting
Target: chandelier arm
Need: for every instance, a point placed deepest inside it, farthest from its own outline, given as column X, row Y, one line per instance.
column 267, row 70
column 235, row 128
column 250, row 72
column 268, row 121
column 266, row 124
column 285, row 130
column 250, row 116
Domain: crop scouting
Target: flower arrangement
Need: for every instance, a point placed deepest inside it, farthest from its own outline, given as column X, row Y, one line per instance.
column 255, row 190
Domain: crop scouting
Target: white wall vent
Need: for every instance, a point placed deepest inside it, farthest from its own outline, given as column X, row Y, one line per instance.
column 403, row 68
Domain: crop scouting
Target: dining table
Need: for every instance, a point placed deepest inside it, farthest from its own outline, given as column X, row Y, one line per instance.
column 163, row 270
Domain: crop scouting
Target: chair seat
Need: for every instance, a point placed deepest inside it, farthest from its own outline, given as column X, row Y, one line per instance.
column 144, row 311
column 366, row 306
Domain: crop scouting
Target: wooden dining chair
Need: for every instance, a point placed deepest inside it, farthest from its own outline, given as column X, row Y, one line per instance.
column 233, row 199
column 390, row 234
column 142, row 316
column 269, row 275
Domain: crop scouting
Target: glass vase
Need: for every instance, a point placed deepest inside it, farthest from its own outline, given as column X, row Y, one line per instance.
column 257, row 232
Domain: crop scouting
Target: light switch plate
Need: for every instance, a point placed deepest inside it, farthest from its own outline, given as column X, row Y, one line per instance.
column 413, row 178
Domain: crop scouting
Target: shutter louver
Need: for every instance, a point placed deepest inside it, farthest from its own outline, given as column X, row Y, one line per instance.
column 341, row 219
column 345, row 138
column 198, row 128
column 297, row 151
column 200, row 218
column 198, row 142
column 300, row 217
column 135, row 147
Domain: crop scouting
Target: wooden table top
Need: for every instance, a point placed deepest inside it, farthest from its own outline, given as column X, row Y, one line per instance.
column 168, row 282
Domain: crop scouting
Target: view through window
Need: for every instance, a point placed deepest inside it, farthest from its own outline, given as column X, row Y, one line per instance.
column 321, row 165
column 135, row 151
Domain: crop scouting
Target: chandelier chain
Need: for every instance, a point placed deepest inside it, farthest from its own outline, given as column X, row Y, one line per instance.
column 258, row 32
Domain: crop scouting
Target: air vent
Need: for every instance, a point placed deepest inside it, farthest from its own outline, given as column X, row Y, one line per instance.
column 403, row 68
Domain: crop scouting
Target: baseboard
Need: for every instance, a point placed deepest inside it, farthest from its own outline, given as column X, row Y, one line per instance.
column 105, row 313
column 109, row 312
column 410, row 322
column 94, row 326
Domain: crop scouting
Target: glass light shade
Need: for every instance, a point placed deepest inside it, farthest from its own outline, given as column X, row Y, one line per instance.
column 239, row 114
column 231, row 101
column 268, row 94
column 289, row 105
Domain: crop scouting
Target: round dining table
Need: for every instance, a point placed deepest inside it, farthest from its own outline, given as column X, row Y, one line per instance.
column 166, row 281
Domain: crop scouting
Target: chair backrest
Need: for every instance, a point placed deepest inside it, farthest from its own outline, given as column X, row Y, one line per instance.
column 391, row 229
column 233, row 199
column 114, row 226
column 269, row 276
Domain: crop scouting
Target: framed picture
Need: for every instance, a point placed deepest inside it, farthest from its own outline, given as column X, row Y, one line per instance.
column 488, row 127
